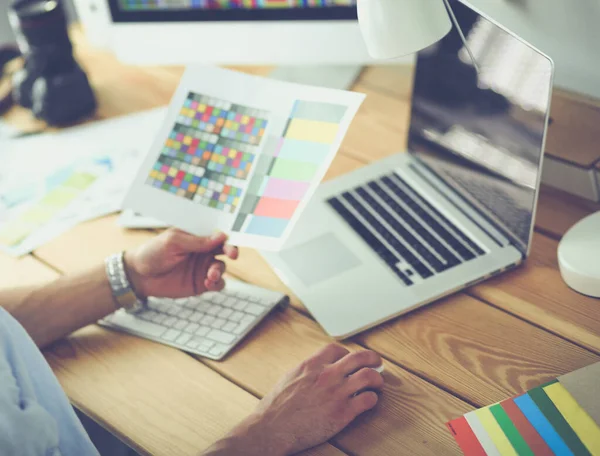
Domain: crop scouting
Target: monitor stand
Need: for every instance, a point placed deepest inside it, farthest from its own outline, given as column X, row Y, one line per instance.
column 332, row 77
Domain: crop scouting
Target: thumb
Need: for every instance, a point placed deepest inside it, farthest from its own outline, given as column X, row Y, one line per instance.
column 195, row 244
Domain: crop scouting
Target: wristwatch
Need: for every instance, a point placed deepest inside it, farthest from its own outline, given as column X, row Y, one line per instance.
column 122, row 290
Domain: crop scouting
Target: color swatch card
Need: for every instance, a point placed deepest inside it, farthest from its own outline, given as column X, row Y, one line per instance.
column 548, row 420
column 242, row 154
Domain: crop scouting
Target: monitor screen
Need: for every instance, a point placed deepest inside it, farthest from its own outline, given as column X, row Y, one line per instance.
column 231, row 10
column 482, row 131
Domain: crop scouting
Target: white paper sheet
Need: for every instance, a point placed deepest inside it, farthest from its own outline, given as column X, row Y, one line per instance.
column 32, row 210
column 131, row 220
column 242, row 154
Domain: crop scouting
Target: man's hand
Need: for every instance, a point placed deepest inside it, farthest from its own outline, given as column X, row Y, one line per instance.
column 309, row 406
column 176, row 264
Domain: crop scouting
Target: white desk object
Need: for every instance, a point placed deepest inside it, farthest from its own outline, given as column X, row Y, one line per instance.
column 579, row 256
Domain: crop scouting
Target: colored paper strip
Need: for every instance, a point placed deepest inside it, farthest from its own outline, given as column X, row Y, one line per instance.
column 292, row 170
column 584, row 426
column 482, row 435
column 312, row 130
column 542, row 425
column 532, row 437
column 584, row 386
column 266, row 226
column 516, row 439
column 285, row 189
column 314, row 110
column 277, row 208
column 561, row 426
column 495, row 431
column 465, row 437
column 304, row 151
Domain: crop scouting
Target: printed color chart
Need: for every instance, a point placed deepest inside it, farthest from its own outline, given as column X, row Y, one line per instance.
column 287, row 167
column 133, row 5
column 210, row 151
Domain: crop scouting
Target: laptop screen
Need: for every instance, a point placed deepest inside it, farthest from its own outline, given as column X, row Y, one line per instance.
column 482, row 129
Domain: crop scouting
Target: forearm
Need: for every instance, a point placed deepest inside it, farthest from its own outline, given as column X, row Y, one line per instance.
column 53, row 311
column 250, row 438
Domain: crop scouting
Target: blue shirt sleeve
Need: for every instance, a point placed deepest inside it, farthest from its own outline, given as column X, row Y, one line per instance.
column 36, row 418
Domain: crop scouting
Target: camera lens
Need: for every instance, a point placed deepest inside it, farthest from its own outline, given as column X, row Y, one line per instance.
column 40, row 23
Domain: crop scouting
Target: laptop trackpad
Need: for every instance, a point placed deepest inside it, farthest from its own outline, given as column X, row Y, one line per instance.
column 319, row 259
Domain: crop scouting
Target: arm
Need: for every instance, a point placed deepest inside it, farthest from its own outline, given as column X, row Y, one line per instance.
column 174, row 264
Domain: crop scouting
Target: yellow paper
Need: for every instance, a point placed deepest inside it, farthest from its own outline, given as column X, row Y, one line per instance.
column 495, row 431
column 584, row 426
column 312, row 130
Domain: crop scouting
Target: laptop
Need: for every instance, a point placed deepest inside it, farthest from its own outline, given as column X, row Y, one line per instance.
column 456, row 209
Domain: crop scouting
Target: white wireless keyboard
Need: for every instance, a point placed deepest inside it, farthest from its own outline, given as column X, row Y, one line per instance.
column 210, row 325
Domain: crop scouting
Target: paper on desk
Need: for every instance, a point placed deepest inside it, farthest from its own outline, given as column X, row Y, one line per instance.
column 584, row 386
column 132, row 220
column 52, row 182
column 242, row 154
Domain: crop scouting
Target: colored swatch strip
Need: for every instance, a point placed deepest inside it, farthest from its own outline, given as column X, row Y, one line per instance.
column 545, row 421
column 66, row 186
column 210, row 152
column 287, row 168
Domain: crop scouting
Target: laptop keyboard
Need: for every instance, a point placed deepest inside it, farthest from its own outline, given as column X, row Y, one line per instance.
column 413, row 238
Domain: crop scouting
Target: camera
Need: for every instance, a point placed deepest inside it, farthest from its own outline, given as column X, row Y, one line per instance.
column 51, row 82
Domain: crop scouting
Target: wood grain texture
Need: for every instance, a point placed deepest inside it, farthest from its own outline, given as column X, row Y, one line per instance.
column 536, row 293
column 477, row 352
column 409, row 418
column 558, row 211
column 24, row 271
column 157, row 399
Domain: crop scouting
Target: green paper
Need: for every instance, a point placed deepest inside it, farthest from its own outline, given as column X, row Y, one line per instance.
column 511, row 432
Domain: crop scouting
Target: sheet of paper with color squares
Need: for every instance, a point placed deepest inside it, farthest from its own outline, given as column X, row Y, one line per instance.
column 241, row 154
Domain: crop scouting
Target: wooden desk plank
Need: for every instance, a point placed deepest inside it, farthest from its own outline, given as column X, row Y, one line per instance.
column 537, row 293
column 89, row 243
column 24, row 271
column 414, row 409
column 155, row 398
column 475, row 351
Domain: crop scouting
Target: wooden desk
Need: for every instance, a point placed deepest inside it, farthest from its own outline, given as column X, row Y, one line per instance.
column 493, row 341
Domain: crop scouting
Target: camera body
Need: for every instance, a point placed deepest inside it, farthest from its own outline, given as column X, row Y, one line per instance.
column 51, row 83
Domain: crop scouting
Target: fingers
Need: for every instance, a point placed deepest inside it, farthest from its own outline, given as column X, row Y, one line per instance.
column 365, row 379
column 195, row 244
column 231, row 251
column 215, row 271
column 214, row 286
column 330, row 354
column 363, row 402
column 356, row 361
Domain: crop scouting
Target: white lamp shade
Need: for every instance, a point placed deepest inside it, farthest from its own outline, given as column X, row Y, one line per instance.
column 394, row 28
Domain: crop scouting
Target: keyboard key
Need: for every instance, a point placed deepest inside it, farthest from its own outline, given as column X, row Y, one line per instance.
column 221, row 336
column 191, row 328
column 170, row 321
column 254, row 309
column 206, row 344
column 181, row 301
column 193, row 344
column 242, row 327
column 218, row 298
column 174, row 310
column 180, row 324
column 214, row 310
column 248, row 319
column 203, row 307
column 208, row 320
column 159, row 318
column 183, row 339
column 196, row 316
column 229, row 302
column 225, row 313
column 185, row 314
column 171, row 335
column 218, row 350
column 202, row 331
column 236, row 316
column 391, row 238
column 229, row 326
column 240, row 305
column 218, row 323
column 372, row 241
column 135, row 324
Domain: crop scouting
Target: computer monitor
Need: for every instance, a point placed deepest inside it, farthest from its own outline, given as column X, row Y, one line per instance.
column 282, row 32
